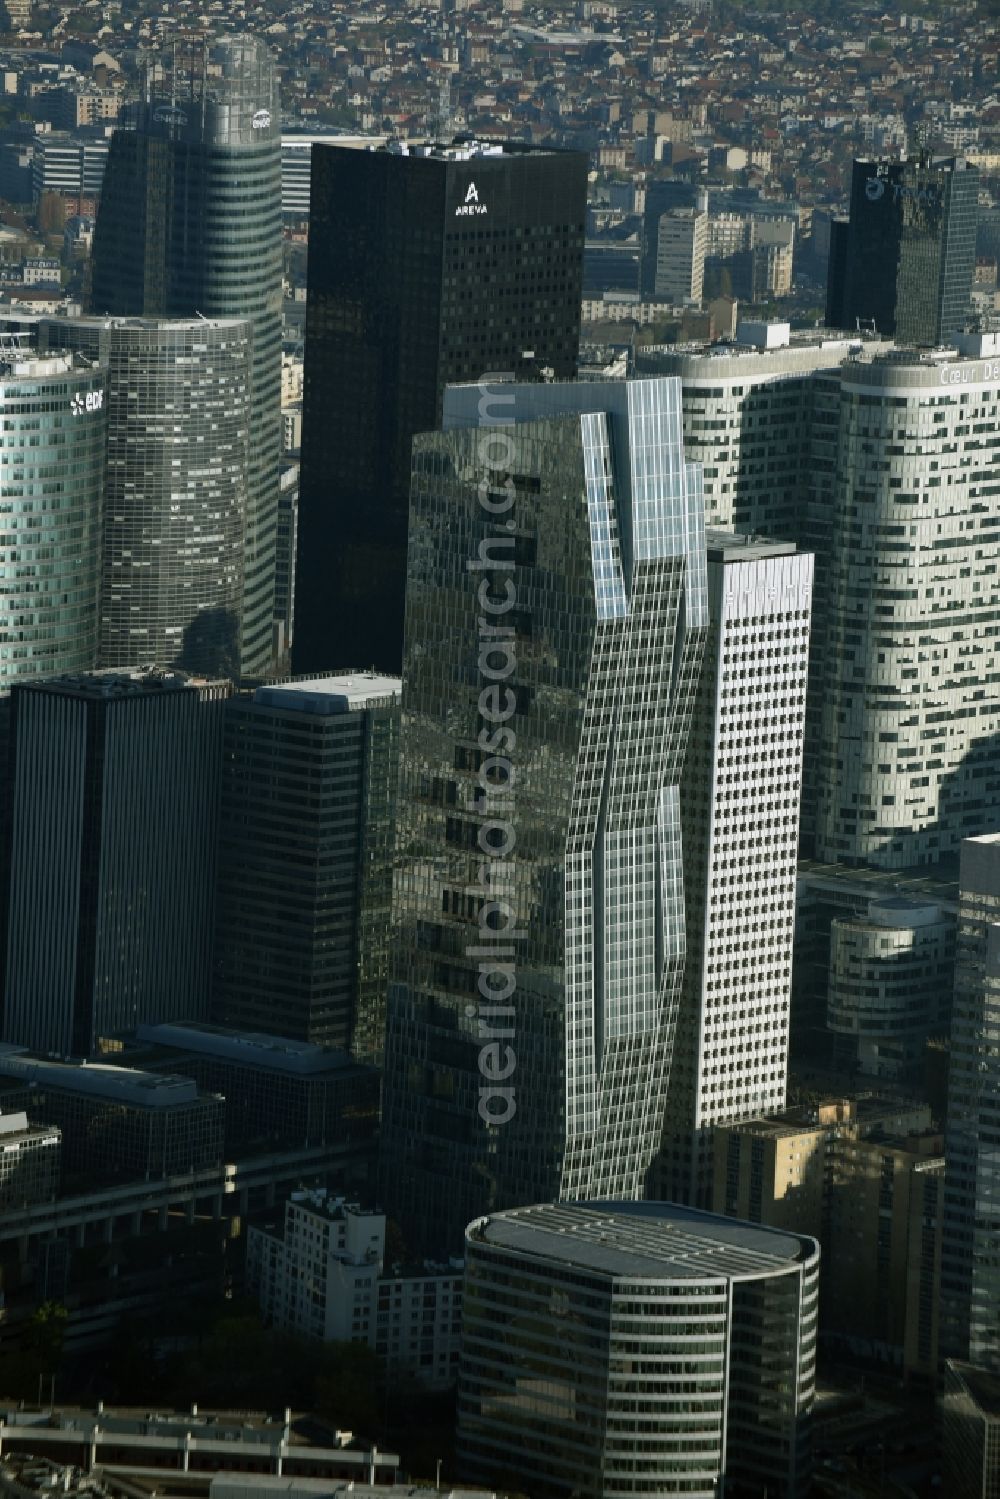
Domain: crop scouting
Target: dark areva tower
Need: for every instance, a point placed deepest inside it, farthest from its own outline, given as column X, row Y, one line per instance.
column 428, row 265
column 905, row 261
column 190, row 224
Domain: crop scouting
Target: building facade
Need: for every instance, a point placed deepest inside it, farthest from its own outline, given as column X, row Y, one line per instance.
column 287, row 541
column 740, row 795
column 970, row 1293
column 865, row 1176
column 178, row 421
column 910, row 715
column 324, row 1276
column 52, row 428
column 762, row 418
column 190, row 225
column 890, row 977
column 114, row 801
column 905, row 262
column 539, row 795
column 970, row 1432
column 73, row 167
column 296, row 166
column 30, row 1160
column 427, row 265
column 117, row 1122
column 563, row 1307
column 278, row 1092
column 682, row 243
column 305, row 861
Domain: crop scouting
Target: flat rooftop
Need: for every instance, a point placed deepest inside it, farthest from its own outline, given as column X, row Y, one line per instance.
column 346, row 692
column 151, row 324
column 808, row 351
column 248, row 1048
column 939, row 883
column 869, row 1113
column 645, row 1240
column 465, row 148
column 728, row 546
column 97, row 685
column 305, row 139
column 18, row 364
column 149, row 1090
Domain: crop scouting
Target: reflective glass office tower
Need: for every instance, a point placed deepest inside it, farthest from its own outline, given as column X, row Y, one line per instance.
column 178, row 399
column 906, row 260
column 427, row 265
column 305, row 860
column 617, row 1350
column 190, row 225
column 52, row 432
column 114, row 784
column 556, row 614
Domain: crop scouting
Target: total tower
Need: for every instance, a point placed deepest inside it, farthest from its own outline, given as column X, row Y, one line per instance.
column 189, row 225
column 904, row 262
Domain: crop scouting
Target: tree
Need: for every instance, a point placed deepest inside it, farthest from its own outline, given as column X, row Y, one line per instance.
column 44, row 1339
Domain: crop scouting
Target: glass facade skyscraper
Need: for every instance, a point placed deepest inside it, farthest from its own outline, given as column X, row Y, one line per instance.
column 114, row 800
column 52, row 432
column 305, row 861
column 427, row 265
column 970, row 1258
column 906, row 260
column 190, row 225
column 556, row 617
column 178, row 415
column 627, row 1349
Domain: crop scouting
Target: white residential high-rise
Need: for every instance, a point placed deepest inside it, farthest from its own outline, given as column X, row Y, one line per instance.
column 908, row 765
column 740, row 821
column 681, row 243
column 762, row 417
column 324, row 1277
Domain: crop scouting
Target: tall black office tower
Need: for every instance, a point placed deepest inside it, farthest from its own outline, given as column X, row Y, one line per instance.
column 190, row 223
column 428, row 265
column 114, row 794
column 905, row 261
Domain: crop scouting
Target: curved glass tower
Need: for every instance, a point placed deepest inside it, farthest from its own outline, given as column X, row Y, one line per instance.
column 556, row 614
column 178, row 398
column 190, row 225
column 52, row 427
column 615, row 1350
